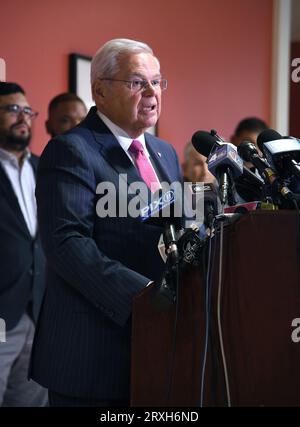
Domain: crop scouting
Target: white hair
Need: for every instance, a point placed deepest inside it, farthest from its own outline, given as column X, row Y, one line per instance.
column 105, row 60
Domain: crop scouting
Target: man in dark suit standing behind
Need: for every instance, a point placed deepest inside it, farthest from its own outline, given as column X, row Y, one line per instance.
column 21, row 258
column 97, row 264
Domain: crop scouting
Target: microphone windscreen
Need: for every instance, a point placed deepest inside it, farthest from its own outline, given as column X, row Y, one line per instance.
column 211, row 199
column 266, row 136
column 245, row 149
column 203, row 142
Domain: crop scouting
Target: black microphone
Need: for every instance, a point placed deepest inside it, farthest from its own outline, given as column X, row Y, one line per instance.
column 162, row 212
column 211, row 204
column 266, row 136
column 252, row 180
column 165, row 208
column 248, row 185
column 204, row 142
column 283, row 153
column 249, row 153
column 170, row 241
column 202, row 204
column 165, row 290
column 220, row 164
column 223, row 162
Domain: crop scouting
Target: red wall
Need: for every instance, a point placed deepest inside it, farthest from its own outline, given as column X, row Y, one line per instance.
column 215, row 54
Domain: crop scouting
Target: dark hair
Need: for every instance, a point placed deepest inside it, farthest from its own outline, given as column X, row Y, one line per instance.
column 9, row 88
column 252, row 124
column 63, row 97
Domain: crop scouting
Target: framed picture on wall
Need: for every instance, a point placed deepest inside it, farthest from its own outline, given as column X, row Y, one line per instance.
column 79, row 77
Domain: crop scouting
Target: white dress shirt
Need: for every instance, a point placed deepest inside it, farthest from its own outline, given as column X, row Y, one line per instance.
column 125, row 140
column 23, row 183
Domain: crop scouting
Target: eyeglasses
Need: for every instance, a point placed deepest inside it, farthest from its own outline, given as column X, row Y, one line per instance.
column 141, row 85
column 17, row 109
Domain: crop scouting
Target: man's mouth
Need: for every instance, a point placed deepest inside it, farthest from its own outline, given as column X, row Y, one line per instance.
column 148, row 108
column 21, row 126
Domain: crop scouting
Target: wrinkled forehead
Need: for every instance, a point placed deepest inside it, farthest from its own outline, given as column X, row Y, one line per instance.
column 138, row 64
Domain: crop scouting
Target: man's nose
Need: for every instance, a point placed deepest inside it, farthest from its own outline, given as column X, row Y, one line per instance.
column 149, row 90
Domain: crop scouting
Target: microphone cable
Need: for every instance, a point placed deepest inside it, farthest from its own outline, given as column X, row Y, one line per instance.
column 174, row 336
column 219, row 316
column 208, row 288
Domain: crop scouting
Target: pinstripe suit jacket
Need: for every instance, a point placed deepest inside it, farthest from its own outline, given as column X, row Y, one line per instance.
column 95, row 266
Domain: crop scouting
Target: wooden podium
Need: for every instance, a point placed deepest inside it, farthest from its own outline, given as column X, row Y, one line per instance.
column 260, row 299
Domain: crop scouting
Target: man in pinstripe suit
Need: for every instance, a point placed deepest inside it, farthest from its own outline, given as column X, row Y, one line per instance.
column 95, row 266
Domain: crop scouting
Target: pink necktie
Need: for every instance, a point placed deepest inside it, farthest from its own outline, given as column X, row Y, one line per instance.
column 144, row 167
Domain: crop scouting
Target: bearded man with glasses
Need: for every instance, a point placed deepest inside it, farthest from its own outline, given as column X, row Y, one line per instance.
column 98, row 264
column 21, row 258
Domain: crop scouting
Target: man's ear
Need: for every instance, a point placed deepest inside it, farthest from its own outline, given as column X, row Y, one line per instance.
column 98, row 89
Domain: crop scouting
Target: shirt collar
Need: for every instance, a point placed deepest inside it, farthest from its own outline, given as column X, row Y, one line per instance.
column 123, row 138
column 6, row 156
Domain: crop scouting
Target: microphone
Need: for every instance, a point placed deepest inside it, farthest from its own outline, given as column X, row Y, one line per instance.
column 249, row 153
column 165, row 291
column 266, row 136
column 161, row 212
column 225, row 164
column 225, row 156
column 248, row 185
column 283, row 153
column 211, row 204
column 201, row 204
column 204, row 142
column 170, row 241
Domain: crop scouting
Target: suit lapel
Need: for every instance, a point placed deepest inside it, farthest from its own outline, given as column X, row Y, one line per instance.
column 114, row 154
column 116, row 157
column 111, row 150
column 158, row 157
column 34, row 163
column 11, row 198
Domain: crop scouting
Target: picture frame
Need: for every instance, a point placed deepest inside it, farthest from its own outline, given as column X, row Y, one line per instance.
column 79, row 77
